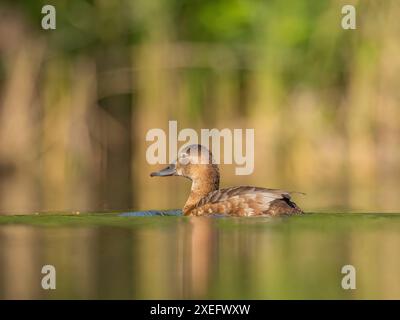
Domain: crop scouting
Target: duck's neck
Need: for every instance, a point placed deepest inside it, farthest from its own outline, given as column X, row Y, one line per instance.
column 201, row 186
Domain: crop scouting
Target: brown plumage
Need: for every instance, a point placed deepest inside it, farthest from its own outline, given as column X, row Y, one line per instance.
column 246, row 201
column 195, row 162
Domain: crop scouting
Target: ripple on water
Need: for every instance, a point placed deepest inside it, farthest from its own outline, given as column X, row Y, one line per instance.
column 151, row 213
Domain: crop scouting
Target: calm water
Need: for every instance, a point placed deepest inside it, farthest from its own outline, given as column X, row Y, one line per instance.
column 107, row 256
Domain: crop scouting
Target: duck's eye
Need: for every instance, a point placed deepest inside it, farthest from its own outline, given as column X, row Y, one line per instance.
column 183, row 158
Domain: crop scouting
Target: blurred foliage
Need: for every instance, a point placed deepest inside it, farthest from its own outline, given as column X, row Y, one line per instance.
column 79, row 100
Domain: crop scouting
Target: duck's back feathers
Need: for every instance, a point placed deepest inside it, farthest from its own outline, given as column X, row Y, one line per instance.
column 246, row 201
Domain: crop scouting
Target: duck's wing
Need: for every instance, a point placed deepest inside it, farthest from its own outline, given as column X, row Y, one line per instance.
column 246, row 201
column 234, row 192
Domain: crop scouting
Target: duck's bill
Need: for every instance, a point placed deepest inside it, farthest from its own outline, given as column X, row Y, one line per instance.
column 168, row 171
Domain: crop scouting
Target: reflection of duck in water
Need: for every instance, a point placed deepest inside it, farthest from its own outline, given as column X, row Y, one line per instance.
column 195, row 163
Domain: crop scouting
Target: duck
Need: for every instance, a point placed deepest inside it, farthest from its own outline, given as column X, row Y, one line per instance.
column 195, row 162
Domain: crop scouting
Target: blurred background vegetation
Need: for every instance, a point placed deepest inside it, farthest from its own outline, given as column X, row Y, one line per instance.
column 76, row 102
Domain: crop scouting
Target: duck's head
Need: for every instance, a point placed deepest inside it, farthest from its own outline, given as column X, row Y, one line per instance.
column 194, row 162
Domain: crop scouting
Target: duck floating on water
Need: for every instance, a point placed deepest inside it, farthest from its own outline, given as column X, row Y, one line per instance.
column 195, row 163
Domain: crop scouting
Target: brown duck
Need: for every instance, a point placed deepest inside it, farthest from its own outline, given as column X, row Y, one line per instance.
column 195, row 163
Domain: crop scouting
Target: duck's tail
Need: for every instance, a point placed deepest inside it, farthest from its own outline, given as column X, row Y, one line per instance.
column 283, row 206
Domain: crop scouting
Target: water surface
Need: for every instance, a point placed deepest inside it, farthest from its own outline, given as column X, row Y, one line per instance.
column 173, row 257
